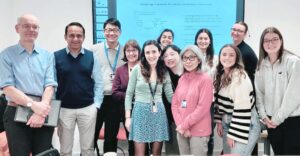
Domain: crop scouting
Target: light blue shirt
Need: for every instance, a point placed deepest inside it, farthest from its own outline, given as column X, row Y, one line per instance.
column 30, row 73
column 97, row 77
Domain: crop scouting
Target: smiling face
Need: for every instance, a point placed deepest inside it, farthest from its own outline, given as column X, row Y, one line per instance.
column 238, row 33
column 152, row 54
column 171, row 58
column 112, row 33
column 28, row 28
column 272, row 43
column 203, row 41
column 166, row 39
column 132, row 54
column 228, row 58
column 190, row 61
column 74, row 38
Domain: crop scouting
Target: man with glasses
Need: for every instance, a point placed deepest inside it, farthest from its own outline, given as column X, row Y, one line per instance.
column 26, row 69
column 110, row 54
column 238, row 33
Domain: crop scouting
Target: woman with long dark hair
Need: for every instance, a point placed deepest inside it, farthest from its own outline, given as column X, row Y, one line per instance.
column 148, row 121
column 204, row 41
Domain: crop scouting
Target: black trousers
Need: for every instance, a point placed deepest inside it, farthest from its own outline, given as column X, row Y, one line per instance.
column 23, row 140
column 108, row 114
column 285, row 139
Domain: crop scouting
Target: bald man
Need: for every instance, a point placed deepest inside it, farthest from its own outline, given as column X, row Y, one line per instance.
column 26, row 71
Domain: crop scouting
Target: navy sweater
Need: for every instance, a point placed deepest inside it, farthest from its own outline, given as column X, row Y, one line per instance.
column 75, row 84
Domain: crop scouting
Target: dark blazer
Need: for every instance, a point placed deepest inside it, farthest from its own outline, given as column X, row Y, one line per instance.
column 119, row 86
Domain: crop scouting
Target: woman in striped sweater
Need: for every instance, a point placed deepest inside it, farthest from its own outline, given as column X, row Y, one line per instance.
column 236, row 117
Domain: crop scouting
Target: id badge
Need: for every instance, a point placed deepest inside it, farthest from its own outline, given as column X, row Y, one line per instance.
column 183, row 104
column 154, row 108
column 112, row 76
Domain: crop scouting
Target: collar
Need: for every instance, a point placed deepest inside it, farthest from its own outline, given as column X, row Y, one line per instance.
column 116, row 48
column 80, row 52
column 21, row 49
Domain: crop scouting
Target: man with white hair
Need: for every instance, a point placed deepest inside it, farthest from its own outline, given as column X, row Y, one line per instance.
column 26, row 71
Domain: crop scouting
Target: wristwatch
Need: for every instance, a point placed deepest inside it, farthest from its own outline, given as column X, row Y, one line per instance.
column 29, row 104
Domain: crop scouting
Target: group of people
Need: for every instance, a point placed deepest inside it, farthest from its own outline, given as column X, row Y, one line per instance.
column 160, row 92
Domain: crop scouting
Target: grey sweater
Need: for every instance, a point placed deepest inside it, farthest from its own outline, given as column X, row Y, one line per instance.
column 278, row 87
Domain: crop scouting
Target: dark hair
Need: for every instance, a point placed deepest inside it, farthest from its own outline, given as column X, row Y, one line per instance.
column 243, row 24
column 160, row 67
column 131, row 43
column 112, row 21
column 172, row 46
column 262, row 53
column 165, row 30
column 74, row 24
column 210, row 49
column 223, row 81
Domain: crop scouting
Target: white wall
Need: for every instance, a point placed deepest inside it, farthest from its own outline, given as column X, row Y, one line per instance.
column 54, row 15
column 283, row 14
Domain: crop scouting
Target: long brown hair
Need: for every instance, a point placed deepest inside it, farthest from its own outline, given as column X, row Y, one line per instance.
column 223, row 80
column 210, row 52
column 262, row 53
column 160, row 66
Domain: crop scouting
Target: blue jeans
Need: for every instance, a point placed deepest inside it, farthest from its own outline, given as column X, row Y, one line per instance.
column 241, row 148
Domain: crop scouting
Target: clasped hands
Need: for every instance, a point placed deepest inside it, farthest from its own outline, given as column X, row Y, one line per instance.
column 186, row 133
column 41, row 110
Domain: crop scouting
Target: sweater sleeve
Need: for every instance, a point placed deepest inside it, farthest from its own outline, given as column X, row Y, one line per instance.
column 242, row 102
column 217, row 113
column 131, row 87
column 203, row 104
column 168, row 88
column 117, row 93
column 291, row 99
column 259, row 90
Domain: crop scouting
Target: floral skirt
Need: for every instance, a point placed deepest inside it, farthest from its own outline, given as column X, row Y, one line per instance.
column 148, row 126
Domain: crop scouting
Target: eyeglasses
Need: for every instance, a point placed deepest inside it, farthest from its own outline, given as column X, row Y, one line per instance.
column 191, row 58
column 273, row 40
column 131, row 50
column 237, row 30
column 114, row 30
column 29, row 26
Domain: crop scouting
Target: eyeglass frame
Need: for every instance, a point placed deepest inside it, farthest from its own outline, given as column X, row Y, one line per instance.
column 132, row 50
column 190, row 58
column 114, row 30
column 274, row 40
column 29, row 26
column 238, row 30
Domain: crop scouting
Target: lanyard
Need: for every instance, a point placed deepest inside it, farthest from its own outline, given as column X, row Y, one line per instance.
column 153, row 91
column 113, row 67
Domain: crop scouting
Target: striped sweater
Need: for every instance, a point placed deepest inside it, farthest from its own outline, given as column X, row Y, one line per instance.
column 237, row 100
